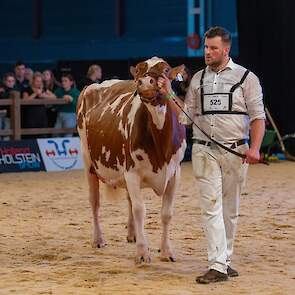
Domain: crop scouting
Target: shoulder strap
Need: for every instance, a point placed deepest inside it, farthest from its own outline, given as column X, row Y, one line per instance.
column 241, row 82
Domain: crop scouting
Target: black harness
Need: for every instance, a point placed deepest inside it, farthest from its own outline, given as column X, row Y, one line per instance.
column 230, row 95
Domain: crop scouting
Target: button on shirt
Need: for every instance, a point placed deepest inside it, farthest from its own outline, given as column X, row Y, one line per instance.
column 225, row 128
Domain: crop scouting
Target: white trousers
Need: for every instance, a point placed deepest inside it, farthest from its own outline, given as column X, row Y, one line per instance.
column 221, row 176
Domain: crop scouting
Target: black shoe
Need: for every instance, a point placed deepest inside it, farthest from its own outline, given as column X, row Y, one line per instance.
column 232, row 272
column 212, row 276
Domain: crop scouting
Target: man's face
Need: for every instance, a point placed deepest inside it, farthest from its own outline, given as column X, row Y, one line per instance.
column 66, row 83
column 20, row 71
column 216, row 51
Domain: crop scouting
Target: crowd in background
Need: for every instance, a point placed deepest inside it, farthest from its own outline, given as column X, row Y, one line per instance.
column 42, row 85
column 33, row 85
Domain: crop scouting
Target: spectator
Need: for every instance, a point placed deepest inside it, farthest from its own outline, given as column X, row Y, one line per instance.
column 180, row 89
column 66, row 115
column 21, row 82
column 8, row 86
column 180, row 86
column 34, row 116
column 29, row 74
column 94, row 75
column 50, row 85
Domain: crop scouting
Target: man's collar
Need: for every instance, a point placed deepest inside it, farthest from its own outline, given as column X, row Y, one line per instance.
column 230, row 65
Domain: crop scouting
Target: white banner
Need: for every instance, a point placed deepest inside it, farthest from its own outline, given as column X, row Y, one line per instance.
column 62, row 153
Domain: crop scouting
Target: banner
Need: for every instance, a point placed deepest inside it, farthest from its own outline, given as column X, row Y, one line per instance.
column 61, row 153
column 20, row 156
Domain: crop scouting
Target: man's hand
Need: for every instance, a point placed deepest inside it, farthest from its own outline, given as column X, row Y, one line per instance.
column 68, row 98
column 252, row 156
column 165, row 85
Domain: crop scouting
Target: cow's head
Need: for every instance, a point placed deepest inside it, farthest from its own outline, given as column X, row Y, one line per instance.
column 156, row 66
column 147, row 73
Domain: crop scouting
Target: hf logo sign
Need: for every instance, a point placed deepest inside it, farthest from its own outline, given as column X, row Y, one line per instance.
column 61, row 153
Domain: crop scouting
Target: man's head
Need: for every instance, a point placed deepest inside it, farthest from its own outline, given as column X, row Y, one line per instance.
column 19, row 70
column 217, row 46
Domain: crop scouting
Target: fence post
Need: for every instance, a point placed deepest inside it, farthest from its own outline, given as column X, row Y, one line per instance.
column 16, row 114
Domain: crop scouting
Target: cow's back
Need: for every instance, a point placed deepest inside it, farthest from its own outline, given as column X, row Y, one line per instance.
column 103, row 111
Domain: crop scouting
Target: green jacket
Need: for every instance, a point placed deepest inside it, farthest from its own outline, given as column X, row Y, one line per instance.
column 70, row 107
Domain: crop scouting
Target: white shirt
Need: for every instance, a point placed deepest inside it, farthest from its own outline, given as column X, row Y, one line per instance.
column 226, row 128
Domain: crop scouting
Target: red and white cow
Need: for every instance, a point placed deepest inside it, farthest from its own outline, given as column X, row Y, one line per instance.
column 131, row 138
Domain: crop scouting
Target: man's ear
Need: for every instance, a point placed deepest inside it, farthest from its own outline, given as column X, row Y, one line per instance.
column 174, row 71
column 133, row 71
column 226, row 51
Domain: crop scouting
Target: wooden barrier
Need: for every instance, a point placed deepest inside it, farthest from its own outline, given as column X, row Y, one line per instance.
column 15, row 103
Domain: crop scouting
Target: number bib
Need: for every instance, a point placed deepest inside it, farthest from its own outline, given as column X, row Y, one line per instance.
column 216, row 102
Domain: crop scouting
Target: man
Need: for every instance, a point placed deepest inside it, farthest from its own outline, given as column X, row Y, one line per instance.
column 21, row 82
column 225, row 101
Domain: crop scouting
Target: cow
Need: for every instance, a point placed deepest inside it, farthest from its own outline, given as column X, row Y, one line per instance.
column 131, row 138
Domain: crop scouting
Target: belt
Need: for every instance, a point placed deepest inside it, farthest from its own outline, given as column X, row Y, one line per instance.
column 209, row 143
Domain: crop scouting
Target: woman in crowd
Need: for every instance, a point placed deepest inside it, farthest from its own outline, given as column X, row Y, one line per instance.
column 34, row 116
column 50, row 85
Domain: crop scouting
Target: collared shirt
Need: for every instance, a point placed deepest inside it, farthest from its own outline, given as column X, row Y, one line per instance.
column 248, row 98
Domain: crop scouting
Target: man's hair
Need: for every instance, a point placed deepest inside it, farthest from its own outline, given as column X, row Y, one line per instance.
column 219, row 32
column 19, row 63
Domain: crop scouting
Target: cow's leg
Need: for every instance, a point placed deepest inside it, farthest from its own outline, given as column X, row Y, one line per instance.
column 138, row 210
column 94, row 198
column 130, row 225
column 166, row 215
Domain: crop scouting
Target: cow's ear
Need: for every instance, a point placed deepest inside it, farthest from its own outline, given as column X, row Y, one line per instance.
column 174, row 71
column 133, row 71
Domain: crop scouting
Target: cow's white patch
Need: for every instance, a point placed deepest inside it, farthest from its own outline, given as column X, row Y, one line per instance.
column 123, row 129
column 153, row 61
column 117, row 101
column 135, row 105
column 111, row 176
column 158, row 114
column 157, row 180
column 106, row 83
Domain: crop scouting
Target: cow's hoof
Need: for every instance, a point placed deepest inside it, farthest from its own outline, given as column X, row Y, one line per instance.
column 131, row 239
column 168, row 258
column 98, row 244
column 143, row 260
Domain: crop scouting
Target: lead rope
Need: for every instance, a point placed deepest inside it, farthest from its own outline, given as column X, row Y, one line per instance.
column 211, row 139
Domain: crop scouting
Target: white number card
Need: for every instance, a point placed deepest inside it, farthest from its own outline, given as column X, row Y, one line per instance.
column 216, row 102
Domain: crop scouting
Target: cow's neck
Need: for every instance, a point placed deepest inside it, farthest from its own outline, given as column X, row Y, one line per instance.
column 158, row 114
column 169, row 137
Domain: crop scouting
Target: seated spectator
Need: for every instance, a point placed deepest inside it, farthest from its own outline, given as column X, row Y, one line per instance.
column 34, row 116
column 29, row 74
column 8, row 86
column 66, row 114
column 94, row 75
column 51, row 85
column 21, row 82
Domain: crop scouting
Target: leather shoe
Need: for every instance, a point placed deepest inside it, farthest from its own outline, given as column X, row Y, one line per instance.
column 212, row 276
column 232, row 272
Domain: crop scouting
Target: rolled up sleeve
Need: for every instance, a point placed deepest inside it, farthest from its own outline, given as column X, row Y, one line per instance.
column 254, row 98
column 190, row 102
